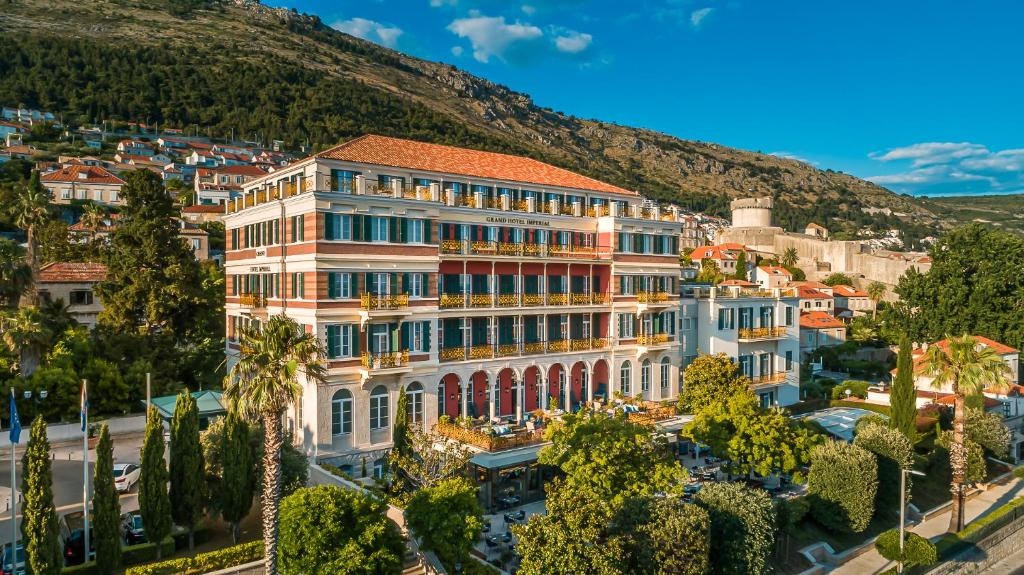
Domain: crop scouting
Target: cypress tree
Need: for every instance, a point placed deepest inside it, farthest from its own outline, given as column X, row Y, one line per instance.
column 106, row 507
column 741, row 266
column 401, row 445
column 903, row 396
column 186, row 470
column 239, row 472
column 154, row 502
column 39, row 516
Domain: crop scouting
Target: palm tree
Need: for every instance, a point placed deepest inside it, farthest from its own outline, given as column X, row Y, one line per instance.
column 876, row 291
column 264, row 382
column 967, row 368
column 93, row 218
column 31, row 209
column 57, row 316
column 789, row 257
column 25, row 335
column 15, row 273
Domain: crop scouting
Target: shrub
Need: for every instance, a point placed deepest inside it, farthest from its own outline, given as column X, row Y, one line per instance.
column 842, row 485
column 790, row 512
column 873, row 419
column 675, row 540
column 857, row 388
column 742, row 534
column 328, row 529
column 894, row 452
column 916, row 549
column 203, row 562
column 145, row 552
column 447, row 517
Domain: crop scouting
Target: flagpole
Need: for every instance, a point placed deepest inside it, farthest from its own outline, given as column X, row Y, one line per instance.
column 14, row 506
column 85, row 470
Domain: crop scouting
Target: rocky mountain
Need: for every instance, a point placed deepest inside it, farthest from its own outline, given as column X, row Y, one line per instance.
column 321, row 86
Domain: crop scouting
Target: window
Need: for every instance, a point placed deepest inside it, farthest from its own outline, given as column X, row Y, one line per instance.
column 645, row 376
column 440, row 399
column 666, row 375
column 340, row 340
column 298, row 225
column 379, row 408
column 789, row 360
column 299, row 285
column 726, row 318
column 415, row 394
column 415, row 287
column 415, row 228
column 379, row 467
column 626, row 322
column 338, row 227
column 767, row 400
column 196, row 245
column 417, row 337
column 341, row 412
column 378, row 229
column 65, row 194
column 626, row 378
column 339, row 285
column 80, row 297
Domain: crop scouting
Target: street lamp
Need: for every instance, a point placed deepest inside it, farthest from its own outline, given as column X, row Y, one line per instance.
column 903, row 509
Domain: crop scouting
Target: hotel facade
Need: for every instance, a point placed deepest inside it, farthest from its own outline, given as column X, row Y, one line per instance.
column 484, row 285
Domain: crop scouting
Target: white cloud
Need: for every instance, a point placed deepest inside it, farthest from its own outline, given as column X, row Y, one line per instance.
column 439, row 3
column 942, row 168
column 492, row 36
column 698, row 16
column 572, row 42
column 370, row 30
column 457, row 50
column 527, row 9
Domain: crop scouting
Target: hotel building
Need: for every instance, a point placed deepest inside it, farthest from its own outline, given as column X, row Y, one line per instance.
column 485, row 285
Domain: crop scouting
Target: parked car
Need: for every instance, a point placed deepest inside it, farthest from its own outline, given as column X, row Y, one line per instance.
column 18, row 567
column 73, row 534
column 131, row 528
column 126, row 475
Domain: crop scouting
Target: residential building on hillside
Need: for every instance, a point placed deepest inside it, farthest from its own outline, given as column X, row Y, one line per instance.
column 724, row 256
column 812, row 299
column 757, row 328
column 1010, row 355
column 771, row 277
column 135, row 148
column 483, row 285
column 819, row 329
column 83, row 183
column 73, row 283
column 850, row 302
column 202, row 213
column 218, row 185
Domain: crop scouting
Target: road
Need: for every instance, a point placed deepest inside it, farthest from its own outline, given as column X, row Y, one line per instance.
column 67, row 478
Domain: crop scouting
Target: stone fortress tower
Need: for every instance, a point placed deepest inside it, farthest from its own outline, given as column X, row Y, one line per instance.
column 751, row 212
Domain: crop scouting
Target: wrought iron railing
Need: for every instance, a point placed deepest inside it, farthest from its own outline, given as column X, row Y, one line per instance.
column 762, row 332
column 651, row 297
column 385, row 360
column 451, row 300
column 652, row 338
column 253, row 300
column 384, row 302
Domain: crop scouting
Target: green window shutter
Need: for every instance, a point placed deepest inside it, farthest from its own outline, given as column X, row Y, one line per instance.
column 393, row 229
column 332, row 287
column 354, row 284
column 426, row 336
column 329, row 231
column 367, row 222
column 357, row 228
column 355, row 340
column 368, row 283
column 428, row 226
column 394, row 283
column 426, row 285
column 405, row 337
column 333, row 341
column 393, row 329
column 403, row 236
column 405, row 283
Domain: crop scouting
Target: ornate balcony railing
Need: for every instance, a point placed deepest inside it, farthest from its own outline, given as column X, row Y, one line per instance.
column 453, row 353
column 384, row 302
column 417, row 193
column 651, row 297
column 598, row 211
column 506, row 249
column 253, row 300
column 482, row 440
column 769, row 379
column 451, row 300
column 520, row 205
column 580, row 344
column 481, row 352
column 507, row 300
column 481, row 300
column 652, row 414
column 558, row 299
column 533, row 348
column 534, row 250
column 579, row 298
column 652, row 339
column 452, row 247
column 762, row 332
column 385, row 360
column 485, row 248
column 532, row 299
column 558, row 346
column 598, row 342
column 507, row 350
column 597, row 298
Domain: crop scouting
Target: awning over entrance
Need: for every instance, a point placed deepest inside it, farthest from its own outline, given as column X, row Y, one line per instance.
column 502, row 459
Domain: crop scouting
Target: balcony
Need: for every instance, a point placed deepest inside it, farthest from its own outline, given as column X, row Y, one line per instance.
column 388, row 360
column 488, row 351
column 480, row 438
column 649, row 339
column 481, row 300
column 652, row 297
column 253, row 300
column 512, row 300
column 384, row 302
column 533, row 299
column 452, row 247
column 511, row 249
column 769, row 379
column 560, row 299
column 761, row 333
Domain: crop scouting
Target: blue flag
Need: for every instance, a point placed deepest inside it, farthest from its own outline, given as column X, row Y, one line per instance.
column 15, row 421
column 84, row 415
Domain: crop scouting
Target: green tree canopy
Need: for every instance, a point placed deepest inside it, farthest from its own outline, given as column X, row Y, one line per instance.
column 894, row 453
column 742, row 528
column 710, row 379
column 154, row 503
column 39, row 517
column 328, row 529
column 903, row 396
column 838, row 278
column 106, row 507
column 186, row 466
column 448, row 518
column 842, row 484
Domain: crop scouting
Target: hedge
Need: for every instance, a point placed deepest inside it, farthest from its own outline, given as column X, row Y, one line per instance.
column 953, row 543
column 204, row 562
column 132, row 555
column 842, row 485
column 201, row 535
column 916, row 549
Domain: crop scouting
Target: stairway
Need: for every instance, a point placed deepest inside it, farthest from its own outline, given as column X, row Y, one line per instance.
column 411, row 563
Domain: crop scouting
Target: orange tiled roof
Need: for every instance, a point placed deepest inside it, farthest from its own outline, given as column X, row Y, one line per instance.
column 395, row 152
column 254, row 171
column 775, row 270
column 951, row 399
column 203, row 209
column 819, row 320
column 72, row 272
column 847, row 291
column 93, row 175
column 811, row 293
column 995, row 345
column 713, row 252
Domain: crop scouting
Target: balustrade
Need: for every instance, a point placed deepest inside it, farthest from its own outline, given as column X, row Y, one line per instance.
column 384, row 302
column 385, row 360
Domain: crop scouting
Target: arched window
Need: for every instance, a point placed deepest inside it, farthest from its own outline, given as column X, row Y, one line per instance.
column 645, row 376
column 341, row 412
column 379, row 408
column 440, row 399
column 415, row 394
column 666, row 375
column 626, row 378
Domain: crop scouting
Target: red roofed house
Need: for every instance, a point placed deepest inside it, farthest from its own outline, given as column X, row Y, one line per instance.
column 202, row 213
column 83, row 183
column 1010, row 355
column 724, row 256
column 820, row 329
column 218, row 185
column 812, row 299
column 73, row 283
column 850, row 301
column 771, row 277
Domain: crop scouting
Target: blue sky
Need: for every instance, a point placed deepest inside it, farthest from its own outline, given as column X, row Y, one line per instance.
column 921, row 97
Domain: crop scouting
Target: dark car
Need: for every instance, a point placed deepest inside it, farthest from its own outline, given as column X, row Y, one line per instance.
column 5, row 560
column 73, row 533
column 131, row 526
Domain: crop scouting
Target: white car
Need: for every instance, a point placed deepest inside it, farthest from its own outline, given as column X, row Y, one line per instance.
column 126, row 475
